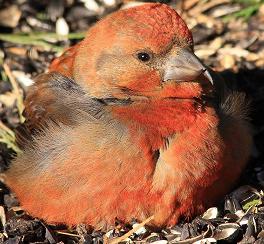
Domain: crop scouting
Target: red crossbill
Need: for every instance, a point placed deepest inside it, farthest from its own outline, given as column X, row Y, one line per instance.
column 128, row 124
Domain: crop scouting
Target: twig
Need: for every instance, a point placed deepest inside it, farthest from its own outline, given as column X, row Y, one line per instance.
column 67, row 234
column 2, row 216
column 5, row 128
column 17, row 91
column 129, row 233
column 7, row 136
column 188, row 4
column 202, row 8
column 3, row 220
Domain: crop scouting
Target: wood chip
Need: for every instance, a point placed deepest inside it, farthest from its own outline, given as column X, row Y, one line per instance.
column 227, row 61
column 10, row 16
column 204, row 7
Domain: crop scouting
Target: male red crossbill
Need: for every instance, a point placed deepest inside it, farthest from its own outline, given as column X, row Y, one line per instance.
column 128, row 124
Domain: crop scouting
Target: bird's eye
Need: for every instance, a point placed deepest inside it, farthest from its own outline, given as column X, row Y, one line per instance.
column 143, row 56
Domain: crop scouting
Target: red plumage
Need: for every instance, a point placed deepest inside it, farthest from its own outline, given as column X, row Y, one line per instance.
column 123, row 137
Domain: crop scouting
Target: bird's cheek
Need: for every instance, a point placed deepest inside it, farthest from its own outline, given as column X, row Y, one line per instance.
column 142, row 81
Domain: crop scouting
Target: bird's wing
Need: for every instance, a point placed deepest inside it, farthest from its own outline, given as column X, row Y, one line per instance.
column 55, row 98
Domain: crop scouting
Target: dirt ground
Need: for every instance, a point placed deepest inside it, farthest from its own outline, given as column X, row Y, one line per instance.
column 228, row 36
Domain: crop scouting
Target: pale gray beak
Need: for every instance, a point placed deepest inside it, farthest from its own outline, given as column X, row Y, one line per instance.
column 183, row 65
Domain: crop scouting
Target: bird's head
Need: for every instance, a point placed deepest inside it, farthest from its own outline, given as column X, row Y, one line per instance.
column 141, row 52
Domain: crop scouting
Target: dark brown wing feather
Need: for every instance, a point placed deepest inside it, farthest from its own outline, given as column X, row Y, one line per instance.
column 55, row 98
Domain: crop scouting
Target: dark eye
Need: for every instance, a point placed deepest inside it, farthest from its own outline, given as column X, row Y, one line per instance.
column 143, row 56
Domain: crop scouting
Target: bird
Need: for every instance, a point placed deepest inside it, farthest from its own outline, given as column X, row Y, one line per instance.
column 128, row 124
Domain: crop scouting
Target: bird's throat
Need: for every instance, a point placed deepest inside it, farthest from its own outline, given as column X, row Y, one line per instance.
column 158, row 118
